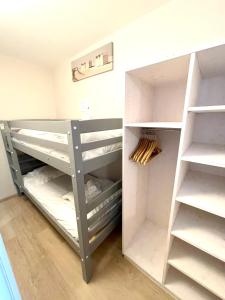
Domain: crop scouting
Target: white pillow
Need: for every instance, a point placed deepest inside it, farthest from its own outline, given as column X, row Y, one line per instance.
column 41, row 175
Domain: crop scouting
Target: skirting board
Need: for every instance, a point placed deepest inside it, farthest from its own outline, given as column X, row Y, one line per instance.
column 8, row 197
column 151, row 278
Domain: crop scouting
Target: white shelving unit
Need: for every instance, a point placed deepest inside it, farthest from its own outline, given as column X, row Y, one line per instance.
column 174, row 207
column 195, row 264
column 201, row 230
column 205, row 109
column 204, row 191
column 187, row 289
column 164, row 125
column 145, row 222
column 207, row 154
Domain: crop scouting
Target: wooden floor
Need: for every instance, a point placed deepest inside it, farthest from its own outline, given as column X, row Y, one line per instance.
column 47, row 268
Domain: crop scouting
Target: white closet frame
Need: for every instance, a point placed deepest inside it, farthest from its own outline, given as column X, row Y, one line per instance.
column 174, row 223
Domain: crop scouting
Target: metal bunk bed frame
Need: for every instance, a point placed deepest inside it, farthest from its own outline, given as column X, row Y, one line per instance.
column 77, row 168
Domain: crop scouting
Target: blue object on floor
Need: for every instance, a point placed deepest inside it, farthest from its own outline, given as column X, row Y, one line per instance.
column 8, row 286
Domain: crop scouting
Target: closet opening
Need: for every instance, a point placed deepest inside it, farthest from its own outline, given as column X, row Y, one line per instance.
column 146, row 214
column 207, row 142
column 210, row 79
column 156, row 93
column 203, row 187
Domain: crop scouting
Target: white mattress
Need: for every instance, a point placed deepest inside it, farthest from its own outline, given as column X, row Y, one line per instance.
column 53, row 190
column 62, row 138
column 50, row 197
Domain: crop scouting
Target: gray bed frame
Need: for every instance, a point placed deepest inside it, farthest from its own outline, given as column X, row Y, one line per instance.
column 89, row 239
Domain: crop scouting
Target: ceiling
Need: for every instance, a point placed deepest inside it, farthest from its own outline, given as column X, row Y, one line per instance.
column 48, row 31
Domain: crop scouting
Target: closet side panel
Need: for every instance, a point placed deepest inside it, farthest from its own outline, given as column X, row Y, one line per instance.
column 139, row 97
column 134, row 189
column 191, row 95
column 161, row 177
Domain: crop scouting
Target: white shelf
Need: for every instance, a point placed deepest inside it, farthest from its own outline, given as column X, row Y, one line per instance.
column 203, row 191
column 147, row 250
column 185, row 288
column 165, row 125
column 196, row 264
column 202, row 230
column 208, row 154
column 206, row 109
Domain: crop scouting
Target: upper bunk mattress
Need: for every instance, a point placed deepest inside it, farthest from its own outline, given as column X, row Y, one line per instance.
column 62, row 138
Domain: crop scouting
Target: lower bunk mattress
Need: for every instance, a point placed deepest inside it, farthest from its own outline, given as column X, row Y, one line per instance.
column 53, row 190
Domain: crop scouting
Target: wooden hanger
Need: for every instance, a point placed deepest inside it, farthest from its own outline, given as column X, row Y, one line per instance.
column 146, row 149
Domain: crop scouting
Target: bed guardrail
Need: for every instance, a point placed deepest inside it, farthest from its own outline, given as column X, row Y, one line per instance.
column 62, row 126
column 104, row 210
column 50, row 160
column 107, row 217
column 100, row 125
column 41, row 125
column 98, row 162
column 104, row 233
column 95, row 202
column 42, row 142
column 101, row 143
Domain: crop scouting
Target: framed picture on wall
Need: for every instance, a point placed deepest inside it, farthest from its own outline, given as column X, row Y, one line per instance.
column 94, row 63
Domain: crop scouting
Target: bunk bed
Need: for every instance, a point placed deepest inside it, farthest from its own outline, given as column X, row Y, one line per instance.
column 51, row 162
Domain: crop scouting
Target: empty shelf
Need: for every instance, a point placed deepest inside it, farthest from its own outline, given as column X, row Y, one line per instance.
column 196, row 264
column 205, row 109
column 185, row 288
column 203, row 191
column 147, row 249
column 169, row 125
column 212, row 155
column 201, row 229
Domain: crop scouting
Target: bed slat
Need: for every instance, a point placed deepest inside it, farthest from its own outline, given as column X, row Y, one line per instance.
column 96, row 201
column 100, row 125
column 104, row 209
column 101, row 161
column 101, row 143
column 105, row 220
column 104, row 233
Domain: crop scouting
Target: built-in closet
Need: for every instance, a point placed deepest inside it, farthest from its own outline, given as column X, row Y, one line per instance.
column 174, row 207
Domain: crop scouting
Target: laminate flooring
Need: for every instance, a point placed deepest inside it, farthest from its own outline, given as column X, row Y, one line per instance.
column 46, row 268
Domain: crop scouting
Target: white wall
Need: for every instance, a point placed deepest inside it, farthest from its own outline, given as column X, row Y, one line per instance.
column 26, row 92
column 175, row 28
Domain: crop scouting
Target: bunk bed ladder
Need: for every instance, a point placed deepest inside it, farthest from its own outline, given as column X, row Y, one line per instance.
column 12, row 158
column 77, row 174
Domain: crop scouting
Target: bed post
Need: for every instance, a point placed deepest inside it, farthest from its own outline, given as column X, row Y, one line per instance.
column 75, row 152
column 11, row 153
